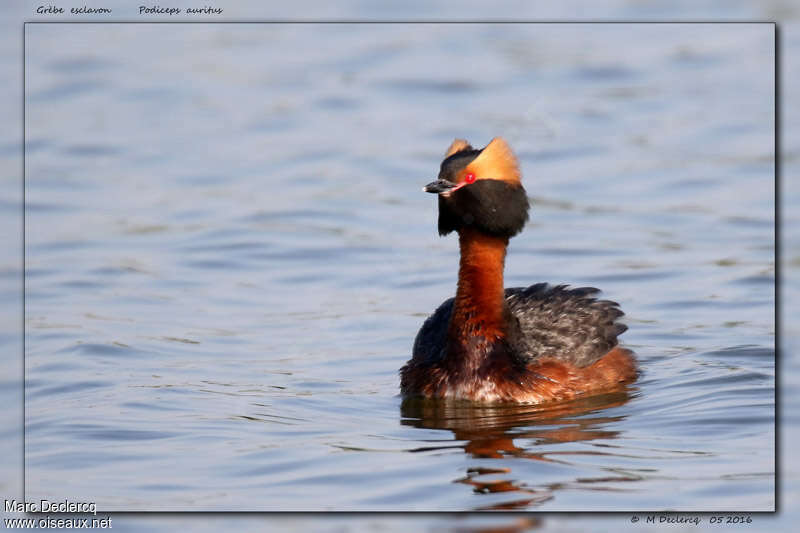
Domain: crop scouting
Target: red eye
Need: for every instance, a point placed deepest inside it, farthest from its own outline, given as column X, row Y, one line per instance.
column 469, row 178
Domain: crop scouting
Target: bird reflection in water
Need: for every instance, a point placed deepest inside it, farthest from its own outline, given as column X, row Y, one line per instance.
column 490, row 432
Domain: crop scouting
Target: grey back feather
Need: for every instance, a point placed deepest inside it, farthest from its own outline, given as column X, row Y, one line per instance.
column 554, row 322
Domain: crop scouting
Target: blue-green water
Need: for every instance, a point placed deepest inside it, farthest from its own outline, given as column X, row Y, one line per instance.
column 228, row 256
column 179, row 233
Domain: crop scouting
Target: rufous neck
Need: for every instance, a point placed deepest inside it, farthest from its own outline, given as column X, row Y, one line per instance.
column 479, row 306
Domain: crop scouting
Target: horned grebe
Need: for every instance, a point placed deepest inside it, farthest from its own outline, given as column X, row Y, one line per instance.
column 521, row 345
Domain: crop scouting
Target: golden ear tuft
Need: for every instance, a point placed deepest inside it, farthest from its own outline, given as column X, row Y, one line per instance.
column 496, row 162
column 459, row 145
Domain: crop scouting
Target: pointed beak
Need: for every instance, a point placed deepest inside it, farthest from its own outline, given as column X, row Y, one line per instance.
column 439, row 186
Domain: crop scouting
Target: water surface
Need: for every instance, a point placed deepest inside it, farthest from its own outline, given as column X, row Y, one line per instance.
column 228, row 256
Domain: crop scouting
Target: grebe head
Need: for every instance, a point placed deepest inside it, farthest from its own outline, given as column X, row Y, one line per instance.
column 481, row 190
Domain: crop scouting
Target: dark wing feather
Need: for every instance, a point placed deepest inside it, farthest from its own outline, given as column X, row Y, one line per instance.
column 563, row 323
column 554, row 321
column 432, row 335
